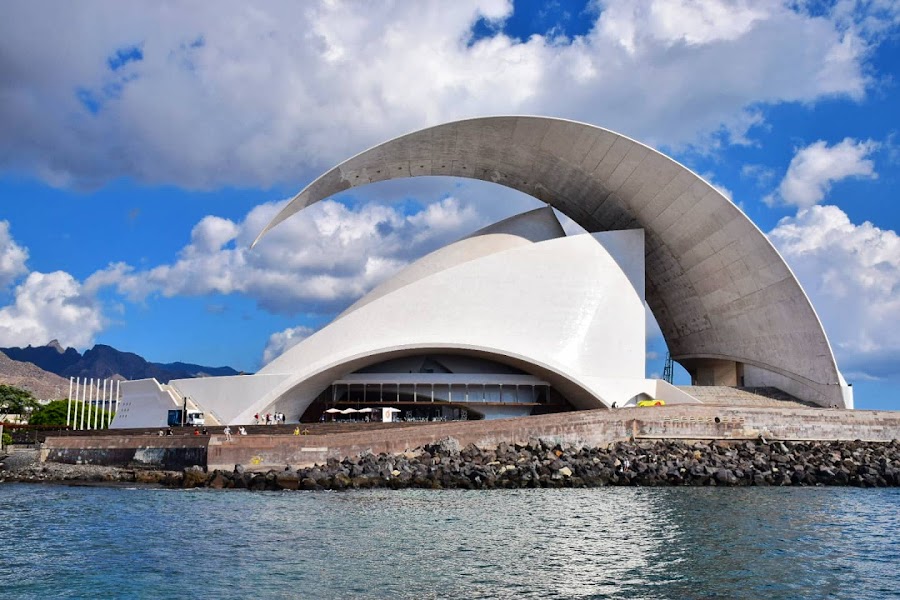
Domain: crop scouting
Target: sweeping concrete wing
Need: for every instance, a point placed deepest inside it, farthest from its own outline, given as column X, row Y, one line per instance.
column 730, row 308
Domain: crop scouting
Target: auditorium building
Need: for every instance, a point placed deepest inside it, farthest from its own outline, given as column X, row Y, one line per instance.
column 520, row 318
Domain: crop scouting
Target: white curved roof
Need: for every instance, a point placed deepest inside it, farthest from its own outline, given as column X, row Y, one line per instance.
column 568, row 310
column 716, row 285
column 518, row 230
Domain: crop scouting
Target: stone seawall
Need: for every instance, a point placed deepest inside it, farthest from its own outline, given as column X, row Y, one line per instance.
column 581, row 429
column 585, row 428
column 150, row 452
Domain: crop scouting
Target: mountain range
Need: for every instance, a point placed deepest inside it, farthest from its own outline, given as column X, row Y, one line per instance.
column 100, row 362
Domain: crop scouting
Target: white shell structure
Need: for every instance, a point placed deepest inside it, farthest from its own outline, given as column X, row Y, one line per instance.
column 568, row 311
column 730, row 309
column 565, row 312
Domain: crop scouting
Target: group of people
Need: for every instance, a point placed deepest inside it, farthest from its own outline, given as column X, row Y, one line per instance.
column 269, row 418
column 227, row 432
column 169, row 431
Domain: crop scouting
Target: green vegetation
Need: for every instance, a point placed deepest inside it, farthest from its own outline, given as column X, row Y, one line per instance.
column 54, row 414
column 16, row 401
column 6, row 441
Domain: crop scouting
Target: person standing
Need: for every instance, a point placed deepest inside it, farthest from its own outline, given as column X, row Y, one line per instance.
column 227, row 433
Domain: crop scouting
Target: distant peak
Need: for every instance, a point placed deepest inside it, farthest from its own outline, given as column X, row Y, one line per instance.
column 56, row 346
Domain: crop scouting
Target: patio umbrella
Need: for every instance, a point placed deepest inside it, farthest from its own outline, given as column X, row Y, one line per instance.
column 389, row 409
column 347, row 411
column 367, row 410
column 333, row 410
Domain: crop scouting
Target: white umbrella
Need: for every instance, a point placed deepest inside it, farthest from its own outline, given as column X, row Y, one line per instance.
column 347, row 411
column 333, row 410
column 365, row 409
column 389, row 409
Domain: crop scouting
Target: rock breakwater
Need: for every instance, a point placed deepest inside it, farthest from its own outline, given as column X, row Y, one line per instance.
column 542, row 464
column 24, row 466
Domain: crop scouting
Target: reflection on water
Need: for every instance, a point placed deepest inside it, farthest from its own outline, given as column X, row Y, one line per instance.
column 600, row 543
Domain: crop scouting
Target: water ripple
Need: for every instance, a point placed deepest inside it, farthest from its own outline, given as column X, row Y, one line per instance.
column 601, row 543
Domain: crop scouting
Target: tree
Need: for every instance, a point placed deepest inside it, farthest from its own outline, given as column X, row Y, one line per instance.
column 54, row 414
column 16, row 401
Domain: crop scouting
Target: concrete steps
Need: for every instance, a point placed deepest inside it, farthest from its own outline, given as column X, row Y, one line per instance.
column 722, row 395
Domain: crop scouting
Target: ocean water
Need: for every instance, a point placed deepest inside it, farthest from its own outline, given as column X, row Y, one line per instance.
column 93, row 542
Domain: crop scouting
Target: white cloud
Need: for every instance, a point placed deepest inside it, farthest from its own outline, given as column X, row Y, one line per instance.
column 48, row 306
column 816, row 167
column 255, row 94
column 210, row 234
column 686, row 22
column 12, row 257
column 325, row 257
column 280, row 341
column 852, row 274
column 45, row 306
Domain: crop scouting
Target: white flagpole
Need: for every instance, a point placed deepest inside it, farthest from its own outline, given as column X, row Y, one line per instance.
column 103, row 422
column 97, row 404
column 69, row 404
column 90, row 403
column 75, row 404
column 83, row 398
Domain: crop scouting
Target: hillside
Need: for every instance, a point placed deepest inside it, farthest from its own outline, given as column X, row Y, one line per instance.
column 42, row 384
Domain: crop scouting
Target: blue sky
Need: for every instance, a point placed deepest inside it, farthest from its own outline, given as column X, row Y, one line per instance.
column 146, row 144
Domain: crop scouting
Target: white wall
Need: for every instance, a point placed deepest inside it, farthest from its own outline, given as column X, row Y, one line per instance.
column 144, row 403
column 225, row 397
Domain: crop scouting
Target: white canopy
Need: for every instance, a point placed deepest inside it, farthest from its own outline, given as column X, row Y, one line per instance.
column 347, row 411
column 366, row 410
column 333, row 410
column 389, row 409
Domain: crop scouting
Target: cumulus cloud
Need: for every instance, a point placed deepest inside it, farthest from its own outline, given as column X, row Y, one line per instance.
column 676, row 22
column 281, row 341
column 254, row 94
column 816, row 167
column 48, row 306
column 852, row 274
column 45, row 306
column 320, row 260
column 12, row 257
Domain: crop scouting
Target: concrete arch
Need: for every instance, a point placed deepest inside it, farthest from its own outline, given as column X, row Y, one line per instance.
column 717, row 286
column 294, row 395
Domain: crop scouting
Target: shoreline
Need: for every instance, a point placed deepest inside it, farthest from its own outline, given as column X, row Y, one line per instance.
column 539, row 463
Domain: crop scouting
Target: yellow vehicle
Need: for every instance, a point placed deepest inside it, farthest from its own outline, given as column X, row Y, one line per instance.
column 651, row 402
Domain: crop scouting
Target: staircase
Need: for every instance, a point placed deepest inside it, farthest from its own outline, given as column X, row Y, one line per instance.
column 723, row 395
